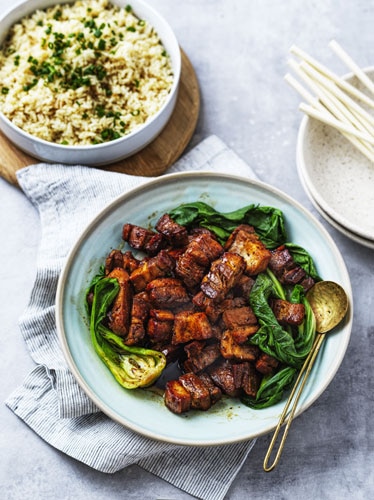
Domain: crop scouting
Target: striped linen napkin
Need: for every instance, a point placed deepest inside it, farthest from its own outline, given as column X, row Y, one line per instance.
column 50, row 400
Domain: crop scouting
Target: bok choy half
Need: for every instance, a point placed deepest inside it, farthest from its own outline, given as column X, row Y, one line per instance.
column 131, row 366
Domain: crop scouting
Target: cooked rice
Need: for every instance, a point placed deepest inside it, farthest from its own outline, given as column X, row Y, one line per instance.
column 83, row 73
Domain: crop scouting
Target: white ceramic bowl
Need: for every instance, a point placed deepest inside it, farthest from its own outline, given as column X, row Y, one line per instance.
column 142, row 410
column 338, row 177
column 109, row 152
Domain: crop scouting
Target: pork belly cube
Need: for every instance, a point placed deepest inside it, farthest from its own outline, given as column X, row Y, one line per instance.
column 214, row 391
column 240, row 334
column 167, row 293
column 230, row 349
column 171, row 352
column 266, row 364
column 160, row 326
column 189, row 271
column 200, row 396
column 138, row 318
column 293, row 276
column 143, row 239
column 129, row 262
column 113, row 260
column 238, row 316
column 244, row 286
column 281, row 260
column 149, row 269
column 200, row 355
column 222, row 375
column 177, row 398
column 155, row 244
column 251, row 248
column 242, row 227
column 205, row 248
column 119, row 316
column 175, row 234
column 209, row 306
column 224, row 273
column 193, row 263
column 190, row 325
column 307, row 283
column 124, row 260
column 287, row 271
column 288, row 313
column 246, row 377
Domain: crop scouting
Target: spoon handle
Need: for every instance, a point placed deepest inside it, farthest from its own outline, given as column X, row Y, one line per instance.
column 305, row 370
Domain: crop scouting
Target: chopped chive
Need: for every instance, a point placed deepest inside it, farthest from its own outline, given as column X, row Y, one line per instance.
column 57, row 15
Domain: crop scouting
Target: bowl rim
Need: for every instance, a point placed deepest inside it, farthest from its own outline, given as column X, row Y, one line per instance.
column 176, row 66
column 116, row 202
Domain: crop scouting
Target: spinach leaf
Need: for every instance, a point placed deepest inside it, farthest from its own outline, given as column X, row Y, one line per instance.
column 306, row 332
column 303, row 259
column 271, row 337
column 271, row 389
column 267, row 221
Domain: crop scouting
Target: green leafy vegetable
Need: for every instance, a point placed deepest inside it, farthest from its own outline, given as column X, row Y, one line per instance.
column 132, row 367
column 267, row 221
column 303, row 259
column 291, row 347
column 271, row 389
column 271, row 337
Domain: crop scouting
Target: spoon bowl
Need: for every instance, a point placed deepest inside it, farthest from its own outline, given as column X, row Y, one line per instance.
column 329, row 303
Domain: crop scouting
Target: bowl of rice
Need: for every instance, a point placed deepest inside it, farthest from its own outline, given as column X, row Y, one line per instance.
column 86, row 82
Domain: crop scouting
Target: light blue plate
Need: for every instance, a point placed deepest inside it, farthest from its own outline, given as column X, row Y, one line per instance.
column 142, row 410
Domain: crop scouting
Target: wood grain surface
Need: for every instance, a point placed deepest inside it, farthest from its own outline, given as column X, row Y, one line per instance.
column 156, row 158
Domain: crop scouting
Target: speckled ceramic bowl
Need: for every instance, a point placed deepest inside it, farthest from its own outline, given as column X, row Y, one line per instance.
column 338, row 177
column 143, row 410
column 108, row 152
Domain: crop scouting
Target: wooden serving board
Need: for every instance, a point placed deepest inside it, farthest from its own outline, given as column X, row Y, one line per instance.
column 156, row 158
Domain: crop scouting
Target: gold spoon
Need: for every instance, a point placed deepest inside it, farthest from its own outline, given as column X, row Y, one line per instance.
column 329, row 303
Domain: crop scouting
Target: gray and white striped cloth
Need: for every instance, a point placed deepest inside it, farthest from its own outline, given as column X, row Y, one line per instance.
column 50, row 401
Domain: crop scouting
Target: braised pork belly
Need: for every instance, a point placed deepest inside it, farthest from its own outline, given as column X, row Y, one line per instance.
column 188, row 297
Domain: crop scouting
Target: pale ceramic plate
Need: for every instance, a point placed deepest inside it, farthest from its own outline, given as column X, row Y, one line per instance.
column 338, row 177
column 141, row 410
column 349, row 234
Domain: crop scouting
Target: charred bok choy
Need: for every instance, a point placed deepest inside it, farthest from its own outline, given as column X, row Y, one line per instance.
column 131, row 366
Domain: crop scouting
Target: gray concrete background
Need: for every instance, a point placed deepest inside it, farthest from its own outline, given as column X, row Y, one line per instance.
column 239, row 49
